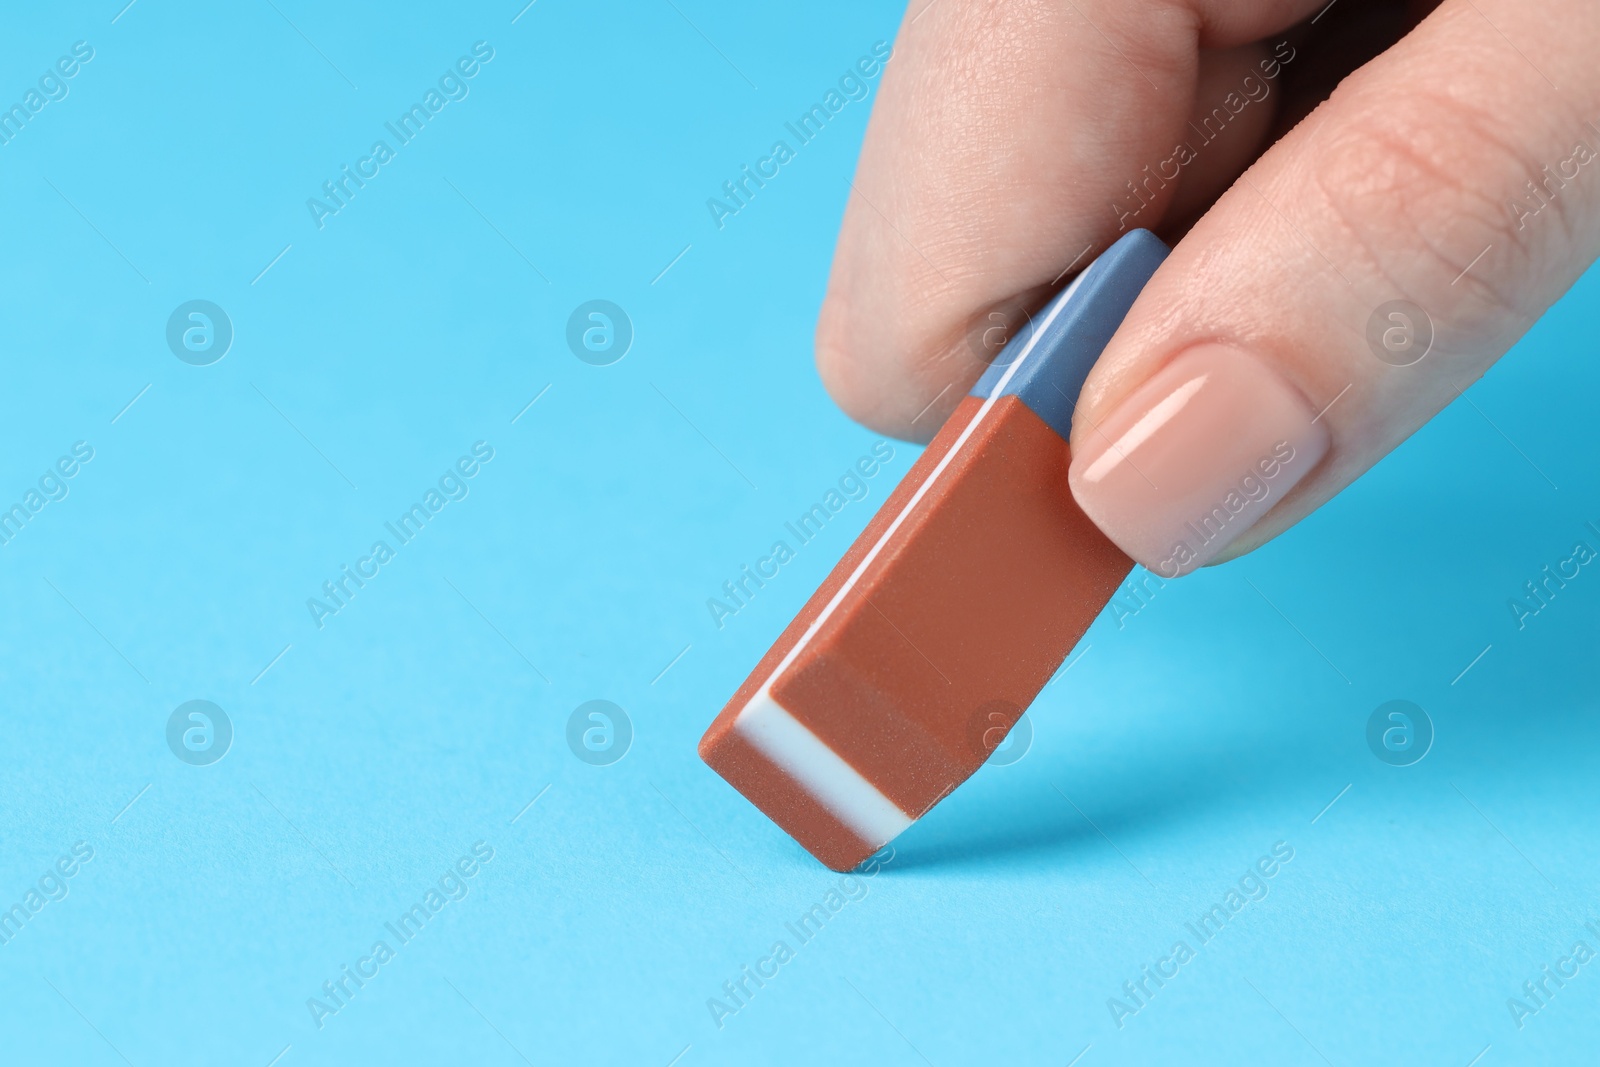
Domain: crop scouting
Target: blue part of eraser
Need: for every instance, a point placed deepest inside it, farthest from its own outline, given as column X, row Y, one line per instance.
column 1069, row 334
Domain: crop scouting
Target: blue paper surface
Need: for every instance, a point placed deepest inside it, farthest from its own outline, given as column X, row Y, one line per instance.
column 375, row 747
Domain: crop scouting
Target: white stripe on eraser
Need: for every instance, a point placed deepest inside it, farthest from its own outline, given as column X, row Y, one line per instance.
column 820, row 771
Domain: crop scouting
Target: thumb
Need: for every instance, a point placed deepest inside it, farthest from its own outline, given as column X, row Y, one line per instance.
column 1351, row 283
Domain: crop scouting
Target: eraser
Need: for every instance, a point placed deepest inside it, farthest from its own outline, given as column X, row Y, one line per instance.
column 951, row 611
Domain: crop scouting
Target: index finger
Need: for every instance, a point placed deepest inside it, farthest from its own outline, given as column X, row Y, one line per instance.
column 1004, row 135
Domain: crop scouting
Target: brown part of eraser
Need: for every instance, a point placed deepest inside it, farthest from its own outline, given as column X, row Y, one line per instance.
column 940, row 642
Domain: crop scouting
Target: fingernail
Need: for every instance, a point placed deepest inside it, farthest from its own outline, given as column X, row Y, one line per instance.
column 1195, row 456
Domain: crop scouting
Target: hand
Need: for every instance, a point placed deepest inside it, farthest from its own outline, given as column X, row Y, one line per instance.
column 1327, row 294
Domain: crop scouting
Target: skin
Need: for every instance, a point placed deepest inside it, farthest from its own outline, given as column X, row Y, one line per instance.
column 1006, row 130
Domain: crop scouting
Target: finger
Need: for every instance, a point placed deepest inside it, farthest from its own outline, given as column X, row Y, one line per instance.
column 1005, row 136
column 1256, row 375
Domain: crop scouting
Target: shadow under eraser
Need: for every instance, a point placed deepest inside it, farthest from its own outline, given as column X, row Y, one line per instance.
column 947, row 616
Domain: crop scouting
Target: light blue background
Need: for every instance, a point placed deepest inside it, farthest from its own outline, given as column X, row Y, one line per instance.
column 1220, row 719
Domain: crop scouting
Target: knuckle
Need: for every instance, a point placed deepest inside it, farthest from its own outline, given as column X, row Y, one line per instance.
column 1419, row 185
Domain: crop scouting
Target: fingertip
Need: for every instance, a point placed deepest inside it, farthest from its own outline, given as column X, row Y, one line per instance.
column 856, row 384
column 1192, row 459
